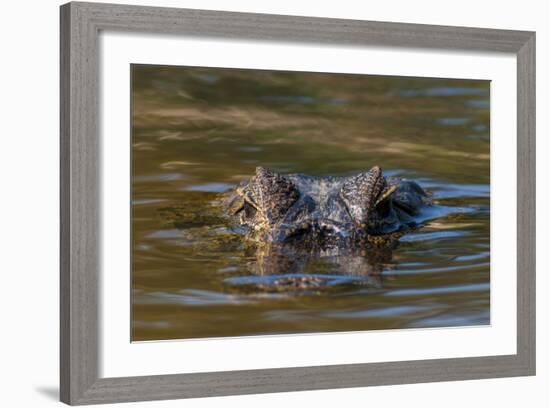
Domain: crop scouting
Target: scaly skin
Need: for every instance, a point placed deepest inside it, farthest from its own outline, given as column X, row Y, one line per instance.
column 318, row 213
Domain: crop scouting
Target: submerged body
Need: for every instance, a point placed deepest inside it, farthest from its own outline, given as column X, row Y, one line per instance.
column 326, row 213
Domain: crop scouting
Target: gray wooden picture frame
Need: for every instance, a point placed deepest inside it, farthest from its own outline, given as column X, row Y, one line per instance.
column 81, row 24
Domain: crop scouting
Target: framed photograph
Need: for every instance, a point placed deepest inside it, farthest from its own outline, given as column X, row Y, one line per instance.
column 261, row 203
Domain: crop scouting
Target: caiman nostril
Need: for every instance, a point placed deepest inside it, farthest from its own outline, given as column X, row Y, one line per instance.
column 328, row 229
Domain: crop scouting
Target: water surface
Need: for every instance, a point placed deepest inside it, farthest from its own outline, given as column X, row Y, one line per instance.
column 197, row 132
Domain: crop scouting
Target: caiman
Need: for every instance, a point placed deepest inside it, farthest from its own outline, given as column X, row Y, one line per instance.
column 296, row 224
column 360, row 211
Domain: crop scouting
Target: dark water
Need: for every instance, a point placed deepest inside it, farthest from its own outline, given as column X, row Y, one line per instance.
column 198, row 132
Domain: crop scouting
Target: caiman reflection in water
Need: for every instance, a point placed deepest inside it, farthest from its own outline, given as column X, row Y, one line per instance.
column 294, row 220
column 281, row 268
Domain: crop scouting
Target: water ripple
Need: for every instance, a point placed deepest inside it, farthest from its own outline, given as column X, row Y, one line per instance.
column 435, row 269
column 192, row 297
column 386, row 312
column 430, row 236
column 476, row 287
column 209, row 187
column 326, row 280
column 449, row 190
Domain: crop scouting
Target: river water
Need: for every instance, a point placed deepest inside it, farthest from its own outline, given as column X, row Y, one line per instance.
column 197, row 132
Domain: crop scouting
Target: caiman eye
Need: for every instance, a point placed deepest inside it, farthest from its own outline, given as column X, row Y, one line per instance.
column 248, row 210
column 383, row 208
column 383, row 201
column 276, row 194
column 360, row 193
column 242, row 204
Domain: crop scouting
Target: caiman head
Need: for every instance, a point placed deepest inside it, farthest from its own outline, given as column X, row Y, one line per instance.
column 321, row 212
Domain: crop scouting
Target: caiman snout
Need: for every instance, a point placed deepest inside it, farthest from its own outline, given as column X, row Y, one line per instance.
column 313, row 231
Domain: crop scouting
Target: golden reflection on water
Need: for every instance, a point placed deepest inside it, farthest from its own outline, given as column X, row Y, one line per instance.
column 198, row 131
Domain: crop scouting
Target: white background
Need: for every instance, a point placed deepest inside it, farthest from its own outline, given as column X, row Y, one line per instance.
column 29, row 204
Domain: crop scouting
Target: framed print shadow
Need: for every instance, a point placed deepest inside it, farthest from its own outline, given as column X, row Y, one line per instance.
column 254, row 204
